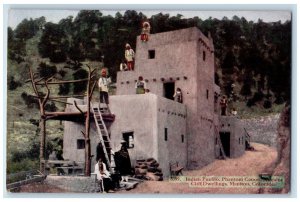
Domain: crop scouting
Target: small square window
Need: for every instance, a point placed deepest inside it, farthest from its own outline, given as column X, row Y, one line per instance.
column 151, row 54
column 80, row 144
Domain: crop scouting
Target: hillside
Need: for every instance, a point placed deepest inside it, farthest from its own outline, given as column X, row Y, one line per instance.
column 254, row 56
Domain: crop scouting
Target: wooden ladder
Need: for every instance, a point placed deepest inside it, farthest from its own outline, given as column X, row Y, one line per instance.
column 219, row 142
column 103, row 135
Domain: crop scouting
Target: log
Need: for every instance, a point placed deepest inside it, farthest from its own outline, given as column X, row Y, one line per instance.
column 152, row 176
column 150, row 159
column 154, row 165
column 152, row 169
column 158, row 174
column 139, row 171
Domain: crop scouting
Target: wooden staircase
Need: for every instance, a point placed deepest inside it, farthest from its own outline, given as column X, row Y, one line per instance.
column 103, row 134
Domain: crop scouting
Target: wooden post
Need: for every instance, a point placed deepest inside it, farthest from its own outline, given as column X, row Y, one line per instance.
column 87, row 129
column 42, row 144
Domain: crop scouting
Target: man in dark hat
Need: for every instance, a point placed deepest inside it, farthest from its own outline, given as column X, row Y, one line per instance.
column 122, row 160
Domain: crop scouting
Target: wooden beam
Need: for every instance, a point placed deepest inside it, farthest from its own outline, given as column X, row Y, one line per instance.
column 62, row 82
column 75, row 103
column 54, row 100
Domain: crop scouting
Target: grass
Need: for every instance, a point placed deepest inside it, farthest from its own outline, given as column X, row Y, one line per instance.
column 255, row 111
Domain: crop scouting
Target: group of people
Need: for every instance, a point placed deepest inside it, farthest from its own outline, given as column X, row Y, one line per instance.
column 110, row 181
column 128, row 63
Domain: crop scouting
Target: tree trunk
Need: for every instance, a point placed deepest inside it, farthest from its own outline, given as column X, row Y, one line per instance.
column 87, row 141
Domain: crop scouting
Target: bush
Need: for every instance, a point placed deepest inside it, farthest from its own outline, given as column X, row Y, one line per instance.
column 62, row 73
column 267, row 104
column 250, row 103
column 22, row 165
column 29, row 100
column 279, row 100
column 258, row 96
column 50, row 107
column 64, row 89
column 80, row 86
column 12, row 84
column 46, row 71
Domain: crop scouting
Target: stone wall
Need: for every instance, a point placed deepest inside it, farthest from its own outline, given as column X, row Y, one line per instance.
column 263, row 129
column 74, row 183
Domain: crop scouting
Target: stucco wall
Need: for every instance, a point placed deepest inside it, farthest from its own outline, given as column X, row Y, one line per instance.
column 172, row 117
column 180, row 55
column 72, row 132
column 237, row 136
column 135, row 113
column 147, row 116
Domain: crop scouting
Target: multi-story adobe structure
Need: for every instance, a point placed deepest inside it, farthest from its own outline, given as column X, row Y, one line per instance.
column 154, row 123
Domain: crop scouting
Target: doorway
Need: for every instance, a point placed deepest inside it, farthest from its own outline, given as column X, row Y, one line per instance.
column 225, row 139
column 169, row 89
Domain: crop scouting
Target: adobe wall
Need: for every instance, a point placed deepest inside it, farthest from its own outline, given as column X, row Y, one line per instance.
column 237, row 135
column 72, row 132
column 171, row 116
column 136, row 113
column 179, row 57
column 148, row 115
column 175, row 58
column 201, row 121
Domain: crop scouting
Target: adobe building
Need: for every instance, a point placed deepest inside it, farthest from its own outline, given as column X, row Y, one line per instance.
column 153, row 124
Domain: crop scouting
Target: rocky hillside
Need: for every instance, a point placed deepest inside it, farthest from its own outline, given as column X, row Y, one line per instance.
column 263, row 129
column 282, row 166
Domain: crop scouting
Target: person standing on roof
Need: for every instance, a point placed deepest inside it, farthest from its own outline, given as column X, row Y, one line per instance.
column 103, row 83
column 129, row 56
column 223, row 104
column 140, row 86
column 145, row 32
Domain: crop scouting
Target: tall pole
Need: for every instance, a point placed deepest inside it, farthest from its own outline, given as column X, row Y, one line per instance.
column 87, row 130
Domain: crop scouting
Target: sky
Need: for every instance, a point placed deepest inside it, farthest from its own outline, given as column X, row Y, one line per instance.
column 15, row 16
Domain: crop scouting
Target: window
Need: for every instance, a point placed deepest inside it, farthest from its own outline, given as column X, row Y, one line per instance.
column 151, row 54
column 182, row 138
column 80, row 144
column 206, row 93
column 128, row 137
column 166, row 134
column 239, row 140
column 204, row 55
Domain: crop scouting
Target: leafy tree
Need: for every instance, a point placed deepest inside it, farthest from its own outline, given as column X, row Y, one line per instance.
column 81, row 86
column 54, row 43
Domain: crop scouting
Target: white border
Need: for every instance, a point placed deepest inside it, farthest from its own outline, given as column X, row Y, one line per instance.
column 219, row 4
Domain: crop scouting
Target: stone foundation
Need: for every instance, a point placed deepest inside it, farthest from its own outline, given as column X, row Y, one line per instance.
column 80, row 184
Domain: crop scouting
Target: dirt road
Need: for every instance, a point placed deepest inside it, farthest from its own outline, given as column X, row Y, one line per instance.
column 250, row 164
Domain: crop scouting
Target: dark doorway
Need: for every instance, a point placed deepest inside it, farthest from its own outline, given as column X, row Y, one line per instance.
column 169, row 89
column 225, row 139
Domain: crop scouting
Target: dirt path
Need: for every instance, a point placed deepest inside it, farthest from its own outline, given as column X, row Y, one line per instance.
column 250, row 164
